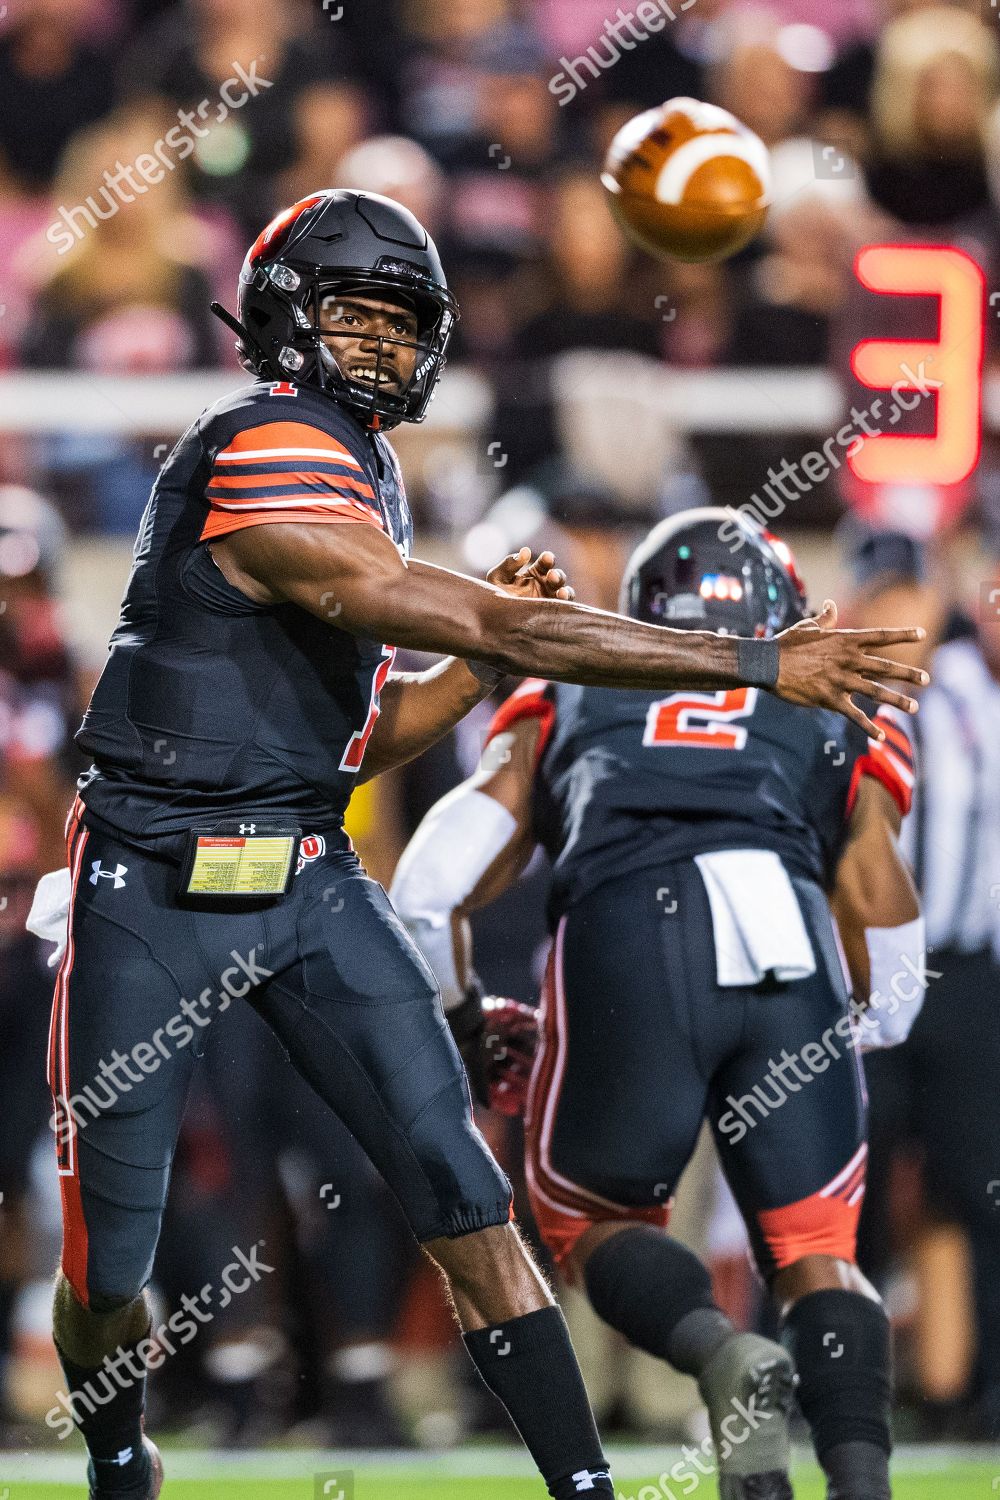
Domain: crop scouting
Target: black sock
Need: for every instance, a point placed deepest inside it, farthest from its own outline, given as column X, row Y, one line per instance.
column 857, row 1471
column 840, row 1343
column 112, row 1431
column 529, row 1365
column 8, row 1295
column 658, row 1294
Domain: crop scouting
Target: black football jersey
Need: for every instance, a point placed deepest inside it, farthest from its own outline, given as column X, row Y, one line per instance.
column 211, row 704
column 626, row 781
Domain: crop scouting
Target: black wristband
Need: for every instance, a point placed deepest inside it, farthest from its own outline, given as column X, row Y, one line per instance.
column 758, row 662
column 490, row 677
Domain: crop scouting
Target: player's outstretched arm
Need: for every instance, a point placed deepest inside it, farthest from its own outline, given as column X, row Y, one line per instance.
column 432, row 609
column 419, row 708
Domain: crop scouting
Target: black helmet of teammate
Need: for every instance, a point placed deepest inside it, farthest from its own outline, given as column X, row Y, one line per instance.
column 712, row 569
column 338, row 243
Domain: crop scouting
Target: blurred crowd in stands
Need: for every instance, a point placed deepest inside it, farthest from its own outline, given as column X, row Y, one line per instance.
column 208, row 115
column 883, row 119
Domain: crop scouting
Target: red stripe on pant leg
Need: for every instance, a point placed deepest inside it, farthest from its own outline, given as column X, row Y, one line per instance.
column 813, row 1226
column 75, row 1239
column 72, row 821
column 57, row 1028
column 545, row 1101
column 73, row 829
column 560, row 1230
column 563, row 1210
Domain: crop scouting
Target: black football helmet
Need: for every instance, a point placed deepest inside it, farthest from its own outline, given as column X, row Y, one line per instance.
column 712, row 569
column 339, row 243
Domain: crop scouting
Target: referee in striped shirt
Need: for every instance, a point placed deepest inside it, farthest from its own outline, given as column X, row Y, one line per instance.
column 940, row 1091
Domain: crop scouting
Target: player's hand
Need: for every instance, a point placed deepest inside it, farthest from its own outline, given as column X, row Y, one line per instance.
column 509, row 1043
column 823, row 667
column 541, row 579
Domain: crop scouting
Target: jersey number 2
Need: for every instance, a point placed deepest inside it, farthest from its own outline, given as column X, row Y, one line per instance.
column 701, row 719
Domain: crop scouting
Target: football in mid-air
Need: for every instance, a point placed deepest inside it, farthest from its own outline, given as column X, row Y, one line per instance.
column 687, row 180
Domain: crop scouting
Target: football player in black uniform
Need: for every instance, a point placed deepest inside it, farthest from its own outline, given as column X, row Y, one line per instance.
column 697, row 841
column 247, row 681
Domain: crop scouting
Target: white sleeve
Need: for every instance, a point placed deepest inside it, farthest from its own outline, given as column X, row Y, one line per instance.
column 441, row 866
column 899, row 977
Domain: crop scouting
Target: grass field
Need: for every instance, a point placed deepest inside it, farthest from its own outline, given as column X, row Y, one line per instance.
column 920, row 1475
column 960, row 1484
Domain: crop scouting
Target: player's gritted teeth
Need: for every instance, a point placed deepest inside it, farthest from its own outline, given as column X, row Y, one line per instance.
column 372, row 341
column 370, row 374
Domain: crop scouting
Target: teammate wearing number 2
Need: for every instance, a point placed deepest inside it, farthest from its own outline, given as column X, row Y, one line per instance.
column 697, row 842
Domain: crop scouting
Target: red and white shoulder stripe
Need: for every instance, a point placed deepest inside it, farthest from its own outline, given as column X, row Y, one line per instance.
column 286, row 471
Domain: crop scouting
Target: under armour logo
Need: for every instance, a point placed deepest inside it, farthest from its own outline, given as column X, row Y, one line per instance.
column 122, row 1457
column 248, row 828
column 117, row 874
column 585, row 1479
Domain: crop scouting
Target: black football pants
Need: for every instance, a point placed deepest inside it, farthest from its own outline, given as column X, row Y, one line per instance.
column 333, row 972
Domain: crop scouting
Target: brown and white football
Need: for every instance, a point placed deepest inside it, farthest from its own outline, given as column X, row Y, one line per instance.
column 688, row 180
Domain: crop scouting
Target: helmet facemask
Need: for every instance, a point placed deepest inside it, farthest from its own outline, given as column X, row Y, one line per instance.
column 310, row 354
column 403, row 369
column 339, row 242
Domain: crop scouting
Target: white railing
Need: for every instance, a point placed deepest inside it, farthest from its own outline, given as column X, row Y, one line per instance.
column 70, row 401
column 734, row 401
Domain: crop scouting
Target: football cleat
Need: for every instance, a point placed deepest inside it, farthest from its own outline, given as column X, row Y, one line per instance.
column 749, row 1387
column 150, row 1489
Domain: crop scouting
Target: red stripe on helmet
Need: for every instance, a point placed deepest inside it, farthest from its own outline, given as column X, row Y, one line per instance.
column 270, row 240
column 787, row 558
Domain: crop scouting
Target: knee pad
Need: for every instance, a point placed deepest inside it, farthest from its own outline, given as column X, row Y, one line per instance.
column 645, row 1284
column 841, row 1346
